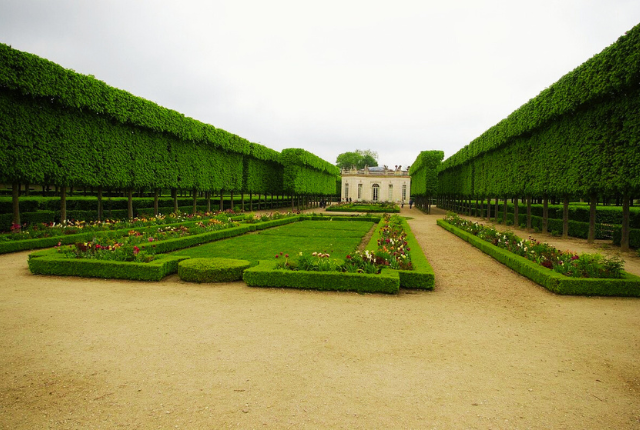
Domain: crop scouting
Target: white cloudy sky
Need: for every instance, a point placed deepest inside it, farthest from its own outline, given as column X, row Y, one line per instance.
column 397, row 77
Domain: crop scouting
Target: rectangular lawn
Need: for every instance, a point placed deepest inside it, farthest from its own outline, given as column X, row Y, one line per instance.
column 338, row 238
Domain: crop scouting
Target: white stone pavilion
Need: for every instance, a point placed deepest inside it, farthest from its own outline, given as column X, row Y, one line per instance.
column 376, row 184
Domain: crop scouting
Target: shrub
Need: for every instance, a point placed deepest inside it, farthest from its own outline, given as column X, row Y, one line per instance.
column 211, row 269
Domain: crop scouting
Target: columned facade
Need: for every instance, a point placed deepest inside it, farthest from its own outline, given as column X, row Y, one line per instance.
column 376, row 184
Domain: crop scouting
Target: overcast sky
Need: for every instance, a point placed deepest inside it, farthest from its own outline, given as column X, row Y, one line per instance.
column 396, row 77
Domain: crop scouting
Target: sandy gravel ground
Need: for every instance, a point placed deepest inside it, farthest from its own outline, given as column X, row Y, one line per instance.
column 487, row 349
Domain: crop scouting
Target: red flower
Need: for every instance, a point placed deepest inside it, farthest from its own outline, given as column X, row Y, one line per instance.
column 136, row 250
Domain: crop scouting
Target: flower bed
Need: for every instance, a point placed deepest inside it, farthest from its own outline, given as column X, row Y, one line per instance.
column 564, row 262
column 62, row 260
column 267, row 275
column 387, row 251
column 627, row 285
column 52, row 234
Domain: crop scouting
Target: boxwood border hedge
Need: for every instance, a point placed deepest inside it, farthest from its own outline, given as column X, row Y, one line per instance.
column 555, row 282
column 54, row 263
column 208, row 270
column 265, row 274
column 63, row 266
column 422, row 277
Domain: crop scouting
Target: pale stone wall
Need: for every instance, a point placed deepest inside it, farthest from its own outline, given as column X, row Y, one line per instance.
column 359, row 185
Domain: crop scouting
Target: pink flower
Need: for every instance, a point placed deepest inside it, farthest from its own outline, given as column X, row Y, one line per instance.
column 136, row 250
column 150, row 239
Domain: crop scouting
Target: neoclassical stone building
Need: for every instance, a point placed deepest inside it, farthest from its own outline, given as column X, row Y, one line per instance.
column 376, row 184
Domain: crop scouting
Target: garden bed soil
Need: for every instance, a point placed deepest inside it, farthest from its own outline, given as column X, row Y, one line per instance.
column 486, row 349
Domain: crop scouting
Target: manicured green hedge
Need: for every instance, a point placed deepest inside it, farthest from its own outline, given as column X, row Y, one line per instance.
column 266, row 275
column 578, row 137
column 80, row 267
column 211, row 269
column 553, row 281
column 56, row 265
column 422, row 277
column 363, row 208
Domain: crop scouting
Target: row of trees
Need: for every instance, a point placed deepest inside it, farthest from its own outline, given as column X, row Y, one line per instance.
column 424, row 178
column 578, row 138
column 60, row 128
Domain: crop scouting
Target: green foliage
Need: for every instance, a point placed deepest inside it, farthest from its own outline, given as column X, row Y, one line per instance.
column 307, row 174
column 336, row 238
column 422, row 276
column 576, row 137
column 63, row 266
column 424, row 173
column 211, row 269
column 362, row 207
column 629, row 285
column 267, row 275
column 358, row 159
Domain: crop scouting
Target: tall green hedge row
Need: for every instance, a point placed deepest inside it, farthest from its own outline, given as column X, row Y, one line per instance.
column 579, row 136
column 305, row 173
column 62, row 128
column 424, row 173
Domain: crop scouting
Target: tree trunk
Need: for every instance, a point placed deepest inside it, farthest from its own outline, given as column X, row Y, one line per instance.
column 545, row 215
column 495, row 211
column 100, row 204
column 63, row 205
column 208, row 196
column 565, row 217
column 174, row 195
column 529, row 213
column 251, row 202
column 221, row 200
column 242, row 200
column 15, row 199
column 488, row 208
column 156, row 208
column 195, row 201
column 591, row 237
column 504, row 210
column 232, row 206
column 516, row 212
column 130, row 203
column 624, row 240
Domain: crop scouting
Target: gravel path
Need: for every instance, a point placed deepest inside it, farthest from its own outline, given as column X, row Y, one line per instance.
column 487, row 349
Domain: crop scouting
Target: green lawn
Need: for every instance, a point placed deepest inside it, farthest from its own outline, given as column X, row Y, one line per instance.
column 337, row 238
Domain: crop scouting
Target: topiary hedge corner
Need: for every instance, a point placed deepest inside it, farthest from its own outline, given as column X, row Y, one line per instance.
column 202, row 270
column 265, row 274
column 629, row 286
column 54, row 264
column 422, row 277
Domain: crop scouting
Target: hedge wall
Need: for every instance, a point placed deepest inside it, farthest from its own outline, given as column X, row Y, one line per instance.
column 579, row 136
column 307, row 174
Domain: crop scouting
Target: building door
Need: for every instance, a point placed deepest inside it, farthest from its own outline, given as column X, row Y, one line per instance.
column 375, row 191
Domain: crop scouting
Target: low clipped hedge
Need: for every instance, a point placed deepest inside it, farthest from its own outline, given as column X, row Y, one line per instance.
column 56, row 264
column 628, row 286
column 211, row 269
column 155, row 270
column 265, row 274
column 422, row 277
column 634, row 237
column 362, row 208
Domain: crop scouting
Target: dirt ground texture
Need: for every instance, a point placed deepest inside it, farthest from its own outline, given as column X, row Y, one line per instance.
column 487, row 349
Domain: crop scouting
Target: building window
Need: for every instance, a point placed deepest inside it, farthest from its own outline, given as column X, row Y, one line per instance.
column 359, row 191
column 390, row 193
column 346, row 191
column 404, row 192
column 374, row 192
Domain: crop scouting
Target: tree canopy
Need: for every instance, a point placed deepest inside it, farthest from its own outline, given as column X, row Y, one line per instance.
column 357, row 159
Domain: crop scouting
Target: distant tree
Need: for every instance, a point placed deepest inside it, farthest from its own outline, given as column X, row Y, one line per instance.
column 359, row 159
